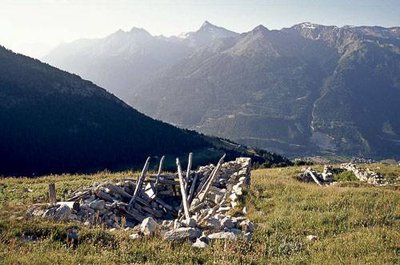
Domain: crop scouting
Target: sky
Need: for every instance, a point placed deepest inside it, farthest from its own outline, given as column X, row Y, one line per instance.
column 33, row 27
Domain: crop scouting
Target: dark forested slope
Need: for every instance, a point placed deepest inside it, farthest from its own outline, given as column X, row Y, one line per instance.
column 52, row 121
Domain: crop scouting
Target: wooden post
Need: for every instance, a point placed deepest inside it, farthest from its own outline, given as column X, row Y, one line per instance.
column 140, row 182
column 52, row 194
column 159, row 169
column 183, row 191
column 202, row 194
column 189, row 167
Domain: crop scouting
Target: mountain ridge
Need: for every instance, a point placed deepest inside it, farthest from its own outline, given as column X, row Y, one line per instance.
column 297, row 90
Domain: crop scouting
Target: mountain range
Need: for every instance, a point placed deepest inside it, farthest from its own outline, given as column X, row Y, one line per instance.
column 304, row 90
column 55, row 122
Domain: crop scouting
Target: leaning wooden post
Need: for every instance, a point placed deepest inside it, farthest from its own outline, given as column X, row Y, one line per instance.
column 140, row 182
column 159, row 169
column 189, row 167
column 192, row 188
column 52, row 194
column 202, row 194
column 183, row 191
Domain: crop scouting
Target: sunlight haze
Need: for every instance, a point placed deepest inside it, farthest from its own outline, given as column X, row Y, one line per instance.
column 35, row 26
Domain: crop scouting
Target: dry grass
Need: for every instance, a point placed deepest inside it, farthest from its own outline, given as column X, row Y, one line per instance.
column 355, row 224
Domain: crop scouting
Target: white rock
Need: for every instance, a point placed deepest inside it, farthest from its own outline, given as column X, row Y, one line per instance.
column 233, row 197
column 222, row 235
column 135, row 236
column 312, row 237
column 182, row 234
column 237, row 189
column 62, row 213
column 199, row 244
column 148, row 226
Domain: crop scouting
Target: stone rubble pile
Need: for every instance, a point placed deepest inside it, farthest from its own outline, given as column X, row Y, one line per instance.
column 194, row 206
column 326, row 177
column 365, row 175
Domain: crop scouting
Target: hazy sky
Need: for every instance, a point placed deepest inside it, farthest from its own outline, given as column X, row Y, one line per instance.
column 34, row 26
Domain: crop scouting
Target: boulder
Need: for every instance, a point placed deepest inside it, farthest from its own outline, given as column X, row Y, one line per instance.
column 97, row 204
column 182, row 234
column 62, row 213
column 223, row 235
column 148, row 226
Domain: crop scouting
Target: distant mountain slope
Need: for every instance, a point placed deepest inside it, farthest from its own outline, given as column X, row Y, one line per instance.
column 308, row 89
column 53, row 121
column 119, row 62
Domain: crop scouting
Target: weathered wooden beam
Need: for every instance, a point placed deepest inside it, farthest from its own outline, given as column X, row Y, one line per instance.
column 205, row 180
column 133, row 214
column 119, row 190
column 211, row 179
column 159, row 169
column 52, row 194
column 165, row 205
column 192, row 188
column 140, row 181
column 105, row 196
column 313, row 177
column 183, row 191
column 189, row 167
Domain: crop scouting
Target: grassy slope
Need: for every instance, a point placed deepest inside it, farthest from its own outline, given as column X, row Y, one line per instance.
column 355, row 223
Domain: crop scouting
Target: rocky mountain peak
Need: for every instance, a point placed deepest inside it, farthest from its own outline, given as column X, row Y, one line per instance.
column 260, row 28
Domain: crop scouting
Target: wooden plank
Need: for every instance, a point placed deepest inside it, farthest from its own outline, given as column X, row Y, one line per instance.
column 105, row 196
column 52, row 194
column 189, row 167
column 183, row 191
column 140, row 181
column 165, row 205
column 159, row 169
column 119, row 190
column 192, row 188
column 133, row 214
column 203, row 193
column 313, row 177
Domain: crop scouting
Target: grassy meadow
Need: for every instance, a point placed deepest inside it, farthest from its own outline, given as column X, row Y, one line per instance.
column 355, row 223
